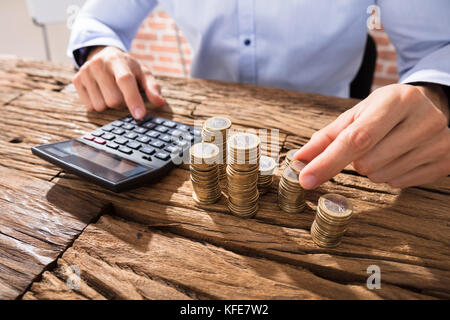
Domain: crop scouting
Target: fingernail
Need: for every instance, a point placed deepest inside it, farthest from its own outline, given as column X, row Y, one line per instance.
column 139, row 113
column 308, row 181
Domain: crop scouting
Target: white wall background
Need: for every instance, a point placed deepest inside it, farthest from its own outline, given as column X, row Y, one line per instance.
column 19, row 36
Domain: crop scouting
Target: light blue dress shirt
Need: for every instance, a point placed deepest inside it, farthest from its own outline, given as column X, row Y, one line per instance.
column 304, row 45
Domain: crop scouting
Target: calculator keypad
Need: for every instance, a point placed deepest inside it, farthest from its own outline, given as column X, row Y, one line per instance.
column 152, row 142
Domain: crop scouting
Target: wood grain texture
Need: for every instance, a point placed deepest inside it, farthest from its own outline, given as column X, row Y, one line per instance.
column 404, row 232
column 119, row 259
column 38, row 220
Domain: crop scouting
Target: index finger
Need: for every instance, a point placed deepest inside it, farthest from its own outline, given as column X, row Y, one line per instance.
column 350, row 144
column 128, row 85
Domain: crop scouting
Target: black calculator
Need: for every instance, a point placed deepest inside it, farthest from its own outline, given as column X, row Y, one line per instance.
column 124, row 153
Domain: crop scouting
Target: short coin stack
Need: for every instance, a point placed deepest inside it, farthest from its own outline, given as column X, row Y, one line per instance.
column 215, row 131
column 333, row 215
column 267, row 166
column 289, row 157
column 242, row 174
column 291, row 196
column 205, row 182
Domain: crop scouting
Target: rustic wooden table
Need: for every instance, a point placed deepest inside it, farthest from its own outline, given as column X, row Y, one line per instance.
column 155, row 243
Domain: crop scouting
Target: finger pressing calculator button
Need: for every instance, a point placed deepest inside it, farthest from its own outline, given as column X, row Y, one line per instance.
column 118, row 131
column 162, row 129
column 148, row 150
column 128, row 126
column 112, row 145
column 121, row 140
column 131, row 135
column 99, row 140
column 162, row 155
column 125, row 150
column 133, row 145
column 153, row 134
column 108, row 136
column 157, row 144
column 144, row 139
column 117, row 123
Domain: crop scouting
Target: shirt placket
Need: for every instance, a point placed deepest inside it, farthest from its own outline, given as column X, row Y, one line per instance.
column 247, row 59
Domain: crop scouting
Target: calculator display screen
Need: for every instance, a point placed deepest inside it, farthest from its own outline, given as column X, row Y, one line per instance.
column 97, row 162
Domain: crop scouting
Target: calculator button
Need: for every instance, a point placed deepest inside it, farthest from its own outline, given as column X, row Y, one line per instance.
column 131, row 135
column 97, row 133
column 117, row 123
column 144, row 139
column 176, row 133
column 133, row 145
column 89, row 137
column 99, row 140
column 162, row 155
column 148, row 150
column 149, row 125
column 157, row 144
column 197, row 132
column 108, row 128
column 182, row 143
column 172, row 149
column 118, row 131
column 158, row 120
column 128, row 126
column 169, row 124
column 127, row 119
column 183, row 127
column 188, row 137
column 125, row 150
column 161, row 129
column 121, row 140
column 108, row 136
column 153, row 134
column 166, row 138
column 140, row 130
column 112, row 145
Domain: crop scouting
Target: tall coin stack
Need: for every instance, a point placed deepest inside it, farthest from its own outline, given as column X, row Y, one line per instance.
column 267, row 166
column 291, row 196
column 204, row 177
column 333, row 215
column 242, row 174
column 289, row 157
column 215, row 131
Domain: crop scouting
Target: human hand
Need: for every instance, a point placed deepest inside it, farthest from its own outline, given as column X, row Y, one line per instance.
column 111, row 78
column 399, row 135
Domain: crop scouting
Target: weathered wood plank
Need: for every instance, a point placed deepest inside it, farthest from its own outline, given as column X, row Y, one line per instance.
column 399, row 245
column 125, row 260
column 38, row 221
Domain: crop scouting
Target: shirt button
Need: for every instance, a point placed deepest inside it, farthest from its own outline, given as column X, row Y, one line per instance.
column 247, row 42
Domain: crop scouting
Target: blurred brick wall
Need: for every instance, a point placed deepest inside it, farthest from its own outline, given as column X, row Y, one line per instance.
column 156, row 45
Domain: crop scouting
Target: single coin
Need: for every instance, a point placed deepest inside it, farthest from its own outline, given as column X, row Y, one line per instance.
column 297, row 166
column 335, row 205
column 217, row 123
column 244, row 141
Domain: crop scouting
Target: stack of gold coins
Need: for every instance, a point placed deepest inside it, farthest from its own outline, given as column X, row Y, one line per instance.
column 333, row 215
column 289, row 156
column 242, row 174
column 291, row 196
column 267, row 166
column 215, row 131
column 204, row 176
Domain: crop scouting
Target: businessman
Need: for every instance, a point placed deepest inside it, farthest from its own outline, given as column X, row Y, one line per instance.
column 398, row 135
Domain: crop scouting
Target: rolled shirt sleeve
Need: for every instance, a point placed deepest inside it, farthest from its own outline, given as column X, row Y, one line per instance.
column 108, row 23
column 420, row 33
